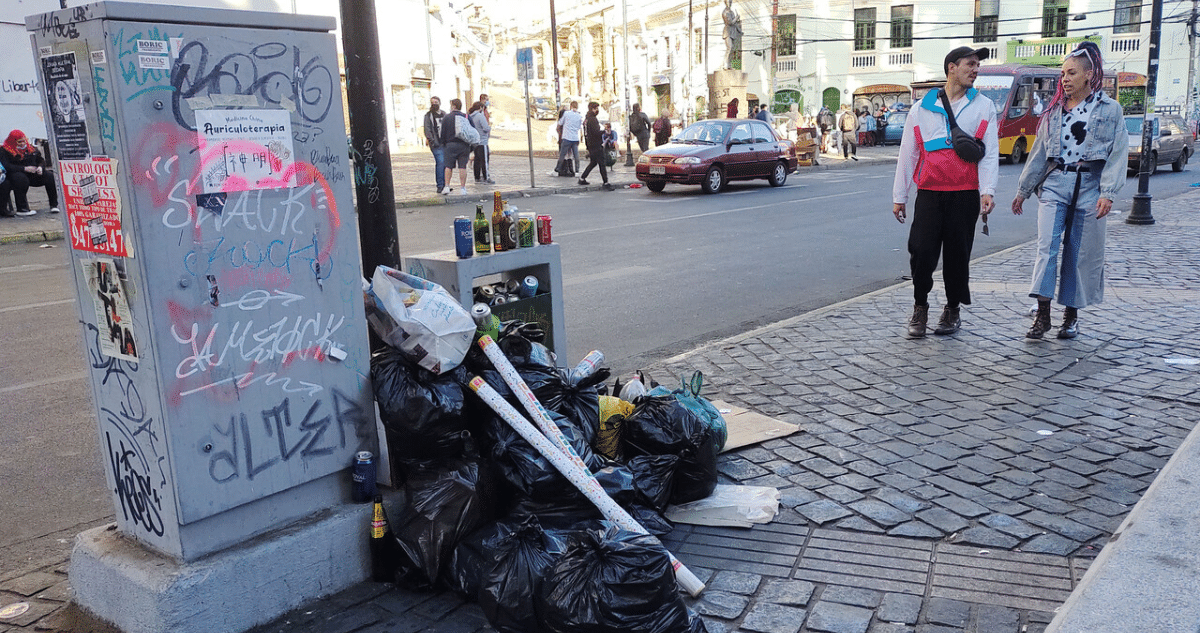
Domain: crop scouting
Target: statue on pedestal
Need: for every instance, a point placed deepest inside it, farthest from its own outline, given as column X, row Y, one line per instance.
column 732, row 34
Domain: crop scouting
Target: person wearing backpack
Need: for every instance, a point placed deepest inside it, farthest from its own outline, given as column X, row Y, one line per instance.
column 639, row 126
column 848, row 126
column 478, row 116
column 662, row 129
column 456, row 132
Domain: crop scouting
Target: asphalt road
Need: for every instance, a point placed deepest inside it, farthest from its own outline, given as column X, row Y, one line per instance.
column 646, row 276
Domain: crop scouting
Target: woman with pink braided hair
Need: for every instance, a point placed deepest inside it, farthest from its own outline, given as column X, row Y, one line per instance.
column 1076, row 167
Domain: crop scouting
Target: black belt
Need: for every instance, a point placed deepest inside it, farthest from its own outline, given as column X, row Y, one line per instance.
column 1077, row 167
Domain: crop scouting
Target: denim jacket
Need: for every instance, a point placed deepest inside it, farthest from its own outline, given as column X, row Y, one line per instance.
column 1107, row 141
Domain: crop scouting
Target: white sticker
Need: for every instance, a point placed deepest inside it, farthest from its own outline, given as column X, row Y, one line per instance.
column 337, row 353
column 44, row 51
column 176, row 44
column 154, row 62
column 153, row 47
column 98, row 58
column 245, row 150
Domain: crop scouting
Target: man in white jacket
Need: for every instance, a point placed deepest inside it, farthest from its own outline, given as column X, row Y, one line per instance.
column 951, row 193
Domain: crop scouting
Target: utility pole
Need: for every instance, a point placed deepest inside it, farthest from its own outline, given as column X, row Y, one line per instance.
column 1192, row 91
column 554, row 52
column 687, row 86
column 369, row 137
column 1141, row 200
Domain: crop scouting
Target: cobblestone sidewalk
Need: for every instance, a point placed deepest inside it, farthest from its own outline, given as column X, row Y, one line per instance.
column 945, row 485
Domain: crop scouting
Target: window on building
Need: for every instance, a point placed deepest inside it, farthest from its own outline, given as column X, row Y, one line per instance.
column 987, row 20
column 785, row 35
column 1054, row 18
column 864, row 29
column 1128, row 16
column 902, row 26
column 698, row 41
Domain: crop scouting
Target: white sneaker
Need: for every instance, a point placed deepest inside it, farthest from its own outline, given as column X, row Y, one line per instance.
column 466, row 191
column 25, row 212
column 53, row 209
column 444, row 191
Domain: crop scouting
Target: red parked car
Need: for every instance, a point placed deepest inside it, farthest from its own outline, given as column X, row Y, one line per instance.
column 711, row 153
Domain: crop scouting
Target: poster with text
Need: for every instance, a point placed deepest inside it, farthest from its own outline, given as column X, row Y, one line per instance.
column 68, row 118
column 93, row 202
column 245, row 150
column 113, row 318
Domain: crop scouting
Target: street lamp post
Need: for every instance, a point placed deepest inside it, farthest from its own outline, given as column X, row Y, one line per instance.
column 628, row 113
column 1140, row 214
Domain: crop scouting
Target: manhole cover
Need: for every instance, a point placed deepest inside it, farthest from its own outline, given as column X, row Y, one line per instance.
column 13, row 610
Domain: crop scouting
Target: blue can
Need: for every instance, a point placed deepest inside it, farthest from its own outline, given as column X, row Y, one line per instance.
column 529, row 286
column 363, row 475
column 464, row 237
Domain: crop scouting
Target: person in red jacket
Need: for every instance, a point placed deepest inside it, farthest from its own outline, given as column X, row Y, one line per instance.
column 24, row 166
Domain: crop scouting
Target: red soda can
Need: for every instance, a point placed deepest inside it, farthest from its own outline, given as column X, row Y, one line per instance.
column 543, row 229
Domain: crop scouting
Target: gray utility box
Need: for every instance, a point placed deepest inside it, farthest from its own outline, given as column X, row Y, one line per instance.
column 460, row 277
column 212, row 237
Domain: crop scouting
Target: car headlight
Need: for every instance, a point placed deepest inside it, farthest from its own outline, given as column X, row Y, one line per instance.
column 643, row 160
column 686, row 160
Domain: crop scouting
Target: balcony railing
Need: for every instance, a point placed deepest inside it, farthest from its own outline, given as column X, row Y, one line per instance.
column 862, row 61
column 785, row 66
column 899, row 59
column 1047, row 51
column 1125, row 44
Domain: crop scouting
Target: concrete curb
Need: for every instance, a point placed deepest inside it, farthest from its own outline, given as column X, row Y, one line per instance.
column 32, row 236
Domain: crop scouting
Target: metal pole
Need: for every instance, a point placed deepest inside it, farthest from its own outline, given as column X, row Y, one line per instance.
column 529, row 122
column 1190, row 115
column 369, row 139
column 687, row 87
column 628, row 112
column 1141, row 200
column 554, row 54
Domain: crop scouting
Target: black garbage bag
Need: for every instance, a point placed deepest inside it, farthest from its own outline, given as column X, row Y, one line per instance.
column 424, row 414
column 654, row 477
column 511, row 559
column 575, row 511
column 446, row 502
column 528, row 471
column 660, row 425
column 613, row 581
column 578, row 401
column 522, row 344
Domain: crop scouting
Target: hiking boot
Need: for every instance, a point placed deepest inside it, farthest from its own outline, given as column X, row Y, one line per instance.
column 917, row 323
column 1070, row 324
column 949, row 322
column 1041, row 322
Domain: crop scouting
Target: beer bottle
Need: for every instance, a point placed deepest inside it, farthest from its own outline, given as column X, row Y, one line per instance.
column 499, row 232
column 483, row 238
column 383, row 550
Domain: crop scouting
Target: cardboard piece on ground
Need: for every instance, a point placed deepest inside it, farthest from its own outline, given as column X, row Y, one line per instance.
column 747, row 427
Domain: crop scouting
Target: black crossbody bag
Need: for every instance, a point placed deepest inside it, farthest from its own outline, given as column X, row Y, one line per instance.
column 966, row 146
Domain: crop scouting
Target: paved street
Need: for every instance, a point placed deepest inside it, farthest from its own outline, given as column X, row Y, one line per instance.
column 943, row 485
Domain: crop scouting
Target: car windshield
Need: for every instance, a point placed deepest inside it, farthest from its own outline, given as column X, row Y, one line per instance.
column 996, row 88
column 1133, row 125
column 705, row 132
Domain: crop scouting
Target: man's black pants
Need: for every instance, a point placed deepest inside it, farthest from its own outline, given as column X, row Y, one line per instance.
column 943, row 222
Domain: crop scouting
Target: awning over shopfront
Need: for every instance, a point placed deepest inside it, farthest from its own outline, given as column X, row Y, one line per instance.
column 879, row 89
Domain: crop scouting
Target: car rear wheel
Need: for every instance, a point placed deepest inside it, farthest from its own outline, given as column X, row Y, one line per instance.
column 778, row 174
column 713, row 181
column 1018, row 152
column 656, row 185
column 1180, row 162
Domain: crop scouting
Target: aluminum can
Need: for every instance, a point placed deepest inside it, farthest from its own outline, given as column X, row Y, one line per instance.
column 543, row 230
column 464, row 237
column 485, row 321
column 512, row 286
column 526, row 229
column 529, row 286
column 500, row 299
column 363, row 475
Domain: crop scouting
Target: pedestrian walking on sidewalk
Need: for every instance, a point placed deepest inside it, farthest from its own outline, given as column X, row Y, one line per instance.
column 639, row 126
column 952, row 192
column 478, row 116
column 595, row 145
column 1076, row 167
column 569, row 125
column 25, row 167
column 457, row 151
column 662, row 129
column 433, row 137
column 848, row 125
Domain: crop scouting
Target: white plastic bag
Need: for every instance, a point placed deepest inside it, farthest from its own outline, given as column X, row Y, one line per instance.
column 732, row 506
column 420, row 319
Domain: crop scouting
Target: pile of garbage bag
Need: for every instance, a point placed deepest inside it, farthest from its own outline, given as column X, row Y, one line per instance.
column 489, row 516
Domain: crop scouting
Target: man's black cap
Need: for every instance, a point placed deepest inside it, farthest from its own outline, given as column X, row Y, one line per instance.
column 961, row 52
